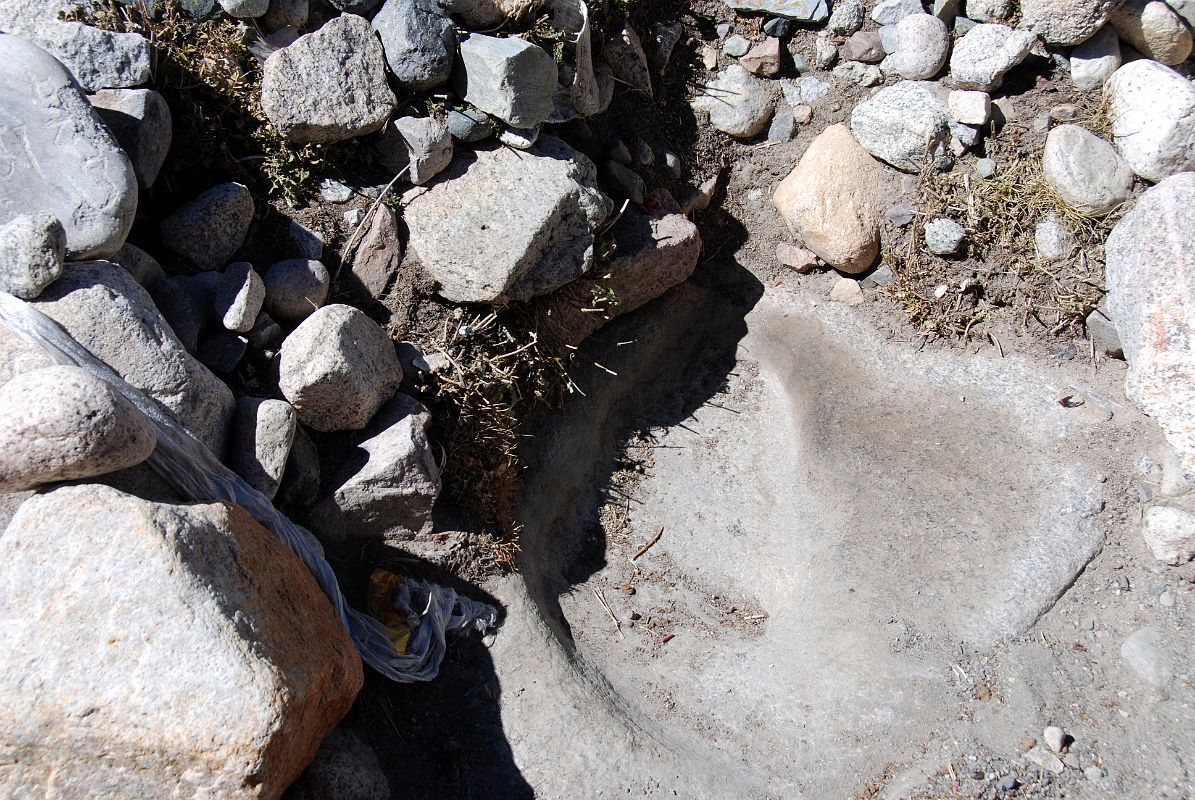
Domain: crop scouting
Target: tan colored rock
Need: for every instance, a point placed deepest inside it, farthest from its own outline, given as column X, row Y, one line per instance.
column 152, row 650
column 847, row 292
column 830, row 200
column 1154, row 29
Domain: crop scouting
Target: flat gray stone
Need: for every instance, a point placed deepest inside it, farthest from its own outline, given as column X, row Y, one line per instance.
column 890, row 12
column 61, row 423
column 1153, row 118
column 386, row 485
column 112, row 316
column 1150, row 274
column 329, row 85
column 502, row 224
column 1085, row 170
column 141, row 122
column 207, row 231
column 986, row 53
column 97, row 59
column 420, row 145
column 69, row 165
column 337, row 369
column 804, row 10
column 32, row 247
column 419, row 41
column 262, row 433
column 510, row 79
column 376, row 259
column 903, row 124
column 217, row 665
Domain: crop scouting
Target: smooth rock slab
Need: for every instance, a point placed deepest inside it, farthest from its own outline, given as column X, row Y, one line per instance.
column 830, row 200
column 387, row 485
column 1150, row 274
column 1095, row 60
column 141, row 122
column 1170, row 534
column 805, row 10
column 986, row 53
column 329, row 85
column 262, row 433
column 1065, row 22
column 1153, row 118
column 337, row 369
column 510, row 79
column 1085, row 170
column 738, row 103
column 114, row 318
column 215, row 669
column 209, row 229
column 32, row 247
column 57, row 157
column 419, row 41
column 501, row 224
column 61, row 423
column 904, row 124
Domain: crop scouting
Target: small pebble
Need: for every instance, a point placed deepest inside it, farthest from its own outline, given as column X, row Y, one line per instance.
column 736, row 46
column 1094, row 773
column 333, row 191
column 985, row 168
column 1067, row 112
column 796, row 257
column 900, row 214
column 846, row 291
column 1041, row 123
column 353, row 217
column 1008, row 783
column 779, row 27
column 1166, row 599
column 673, row 163
column 1054, row 737
column 723, row 29
column 802, row 114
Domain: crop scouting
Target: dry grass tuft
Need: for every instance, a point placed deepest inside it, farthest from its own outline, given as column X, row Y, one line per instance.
column 949, row 298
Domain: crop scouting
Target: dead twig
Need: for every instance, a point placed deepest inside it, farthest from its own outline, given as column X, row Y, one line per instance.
column 649, row 545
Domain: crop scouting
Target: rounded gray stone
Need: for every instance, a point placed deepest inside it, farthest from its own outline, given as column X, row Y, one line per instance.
column 419, row 41
column 245, row 9
column 738, row 103
column 259, row 446
column 58, row 156
column 1153, row 118
column 98, row 59
column 337, row 369
column 1065, row 22
column 32, row 247
column 1085, row 170
column 1094, row 61
column 1052, row 239
column 903, row 124
column 61, row 423
column 295, row 288
column 944, row 236
column 329, row 85
column 922, row 44
column 510, row 79
column 1144, row 652
column 209, row 229
column 469, row 125
column 141, row 122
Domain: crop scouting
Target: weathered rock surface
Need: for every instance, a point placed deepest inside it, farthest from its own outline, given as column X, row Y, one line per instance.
column 60, row 423
column 944, row 236
column 1065, row 22
column 738, row 103
column 421, row 145
column 829, row 200
column 864, row 46
column 32, row 247
column 1150, row 273
column 969, row 107
column 1053, row 240
column 113, row 317
column 507, row 225
column 652, row 254
column 209, row 229
column 238, row 297
column 262, row 433
column 624, row 54
column 140, row 120
column 1095, row 60
column 1154, row 29
column 846, row 17
column 922, row 44
column 1153, row 118
column 337, row 369
column 216, row 667
column 805, row 10
column 1170, row 534
column 1085, row 170
column 419, row 41
column 376, row 259
column 295, row 288
column 983, row 56
column 329, row 85
column 510, row 79
column 61, row 159
column 890, row 12
column 989, row 10
column 386, row 485
column 98, row 59
column 144, row 268
column 245, row 9
column 902, row 124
